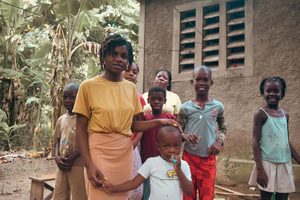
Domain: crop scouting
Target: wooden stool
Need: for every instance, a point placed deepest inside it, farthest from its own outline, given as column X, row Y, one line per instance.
column 38, row 185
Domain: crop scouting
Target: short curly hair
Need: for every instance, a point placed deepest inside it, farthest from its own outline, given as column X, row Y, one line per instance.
column 157, row 89
column 110, row 43
column 271, row 79
column 169, row 87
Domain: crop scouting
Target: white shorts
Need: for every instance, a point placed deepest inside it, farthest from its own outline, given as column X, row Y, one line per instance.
column 280, row 177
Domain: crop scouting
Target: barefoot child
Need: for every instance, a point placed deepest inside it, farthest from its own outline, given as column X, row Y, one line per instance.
column 169, row 176
column 203, row 118
column 271, row 147
column 69, row 182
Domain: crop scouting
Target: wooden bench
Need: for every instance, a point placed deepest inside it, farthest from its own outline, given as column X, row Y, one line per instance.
column 37, row 187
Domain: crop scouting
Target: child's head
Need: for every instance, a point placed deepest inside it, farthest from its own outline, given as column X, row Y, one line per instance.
column 132, row 72
column 273, row 89
column 115, row 54
column 156, row 99
column 168, row 141
column 163, row 78
column 69, row 96
column 202, row 80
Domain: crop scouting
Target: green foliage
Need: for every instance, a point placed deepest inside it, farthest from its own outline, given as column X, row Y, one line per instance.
column 33, row 100
column 7, row 132
column 8, row 12
column 35, row 58
column 65, row 8
column 9, row 73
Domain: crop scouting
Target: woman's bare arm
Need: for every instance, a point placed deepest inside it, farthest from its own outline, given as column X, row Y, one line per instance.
column 94, row 174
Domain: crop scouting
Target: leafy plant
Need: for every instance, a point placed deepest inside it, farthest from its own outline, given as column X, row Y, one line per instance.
column 45, row 44
column 7, row 132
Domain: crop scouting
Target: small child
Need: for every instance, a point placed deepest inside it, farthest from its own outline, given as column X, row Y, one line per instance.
column 156, row 99
column 272, row 150
column 131, row 75
column 169, row 176
column 201, row 118
column 69, row 182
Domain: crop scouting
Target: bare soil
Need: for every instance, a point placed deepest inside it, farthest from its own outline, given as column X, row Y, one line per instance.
column 15, row 184
column 14, row 181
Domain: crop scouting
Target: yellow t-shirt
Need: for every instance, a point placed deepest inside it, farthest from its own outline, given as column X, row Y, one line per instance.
column 172, row 104
column 109, row 106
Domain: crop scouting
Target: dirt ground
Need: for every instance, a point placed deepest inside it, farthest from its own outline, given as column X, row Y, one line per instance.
column 14, row 181
column 15, row 184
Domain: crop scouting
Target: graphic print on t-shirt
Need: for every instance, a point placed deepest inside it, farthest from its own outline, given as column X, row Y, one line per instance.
column 171, row 173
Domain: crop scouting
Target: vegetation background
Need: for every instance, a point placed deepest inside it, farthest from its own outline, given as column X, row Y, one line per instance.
column 45, row 44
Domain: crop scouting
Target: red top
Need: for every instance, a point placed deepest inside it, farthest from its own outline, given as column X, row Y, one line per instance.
column 141, row 100
column 148, row 141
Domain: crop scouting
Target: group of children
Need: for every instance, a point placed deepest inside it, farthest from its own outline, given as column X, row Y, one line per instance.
column 201, row 127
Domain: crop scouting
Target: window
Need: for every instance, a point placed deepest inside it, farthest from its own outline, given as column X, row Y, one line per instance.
column 210, row 38
column 187, row 40
column 215, row 33
column 235, row 33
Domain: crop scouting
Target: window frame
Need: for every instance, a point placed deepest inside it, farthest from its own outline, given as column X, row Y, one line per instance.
column 221, row 70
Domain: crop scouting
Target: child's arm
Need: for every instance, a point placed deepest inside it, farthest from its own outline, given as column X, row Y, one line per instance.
column 259, row 119
column 137, row 137
column 126, row 186
column 185, row 183
column 145, row 125
column 294, row 153
column 215, row 148
column 60, row 161
column 189, row 137
column 74, row 155
column 70, row 159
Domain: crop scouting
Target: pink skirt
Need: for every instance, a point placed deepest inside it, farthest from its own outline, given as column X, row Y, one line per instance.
column 137, row 193
column 112, row 154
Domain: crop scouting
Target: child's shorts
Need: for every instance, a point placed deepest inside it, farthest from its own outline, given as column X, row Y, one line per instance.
column 280, row 177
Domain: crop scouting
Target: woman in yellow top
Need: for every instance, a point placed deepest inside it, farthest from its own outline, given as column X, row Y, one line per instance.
column 107, row 107
column 163, row 78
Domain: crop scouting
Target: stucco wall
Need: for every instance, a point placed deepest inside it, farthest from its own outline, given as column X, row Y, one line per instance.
column 276, row 35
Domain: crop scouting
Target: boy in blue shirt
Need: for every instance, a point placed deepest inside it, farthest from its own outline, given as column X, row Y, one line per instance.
column 202, row 120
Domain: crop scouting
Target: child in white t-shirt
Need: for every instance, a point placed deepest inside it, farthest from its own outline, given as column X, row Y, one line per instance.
column 169, row 175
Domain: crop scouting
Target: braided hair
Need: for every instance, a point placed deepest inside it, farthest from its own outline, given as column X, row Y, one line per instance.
column 110, row 43
column 169, row 87
column 271, row 79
